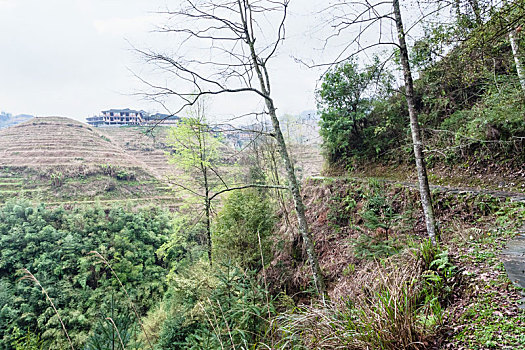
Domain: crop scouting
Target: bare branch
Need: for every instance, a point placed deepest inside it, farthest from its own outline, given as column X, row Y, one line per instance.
column 247, row 186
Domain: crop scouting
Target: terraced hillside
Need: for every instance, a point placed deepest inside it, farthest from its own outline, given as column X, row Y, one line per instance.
column 58, row 143
column 59, row 160
column 147, row 145
column 307, row 159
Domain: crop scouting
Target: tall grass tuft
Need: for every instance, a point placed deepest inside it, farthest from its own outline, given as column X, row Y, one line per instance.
column 27, row 275
column 116, row 329
column 385, row 313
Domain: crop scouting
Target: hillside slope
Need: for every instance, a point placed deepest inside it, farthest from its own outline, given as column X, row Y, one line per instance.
column 60, row 160
column 60, row 143
column 145, row 144
column 386, row 284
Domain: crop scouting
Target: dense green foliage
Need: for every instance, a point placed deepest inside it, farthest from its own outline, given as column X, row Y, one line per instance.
column 54, row 244
column 207, row 307
column 467, row 92
column 194, row 148
column 243, row 228
column 214, row 308
column 344, row 104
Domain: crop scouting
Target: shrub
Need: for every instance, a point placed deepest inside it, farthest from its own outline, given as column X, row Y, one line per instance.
column 125, row 175
column 398, row 306
column 215, row 308
column 57, row 179
column 378, row 211
column 242, row 229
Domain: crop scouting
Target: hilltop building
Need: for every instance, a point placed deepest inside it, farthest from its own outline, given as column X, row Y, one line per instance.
column 122, row 117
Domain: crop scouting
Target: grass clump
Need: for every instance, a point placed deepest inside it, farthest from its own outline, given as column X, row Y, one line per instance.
column 399, row 305
column 57, row 179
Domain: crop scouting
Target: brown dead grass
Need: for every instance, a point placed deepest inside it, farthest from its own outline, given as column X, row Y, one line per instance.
column 289, row 270
column 333, row 241
column 54, row 144
column 149, row 150
column 388, row 323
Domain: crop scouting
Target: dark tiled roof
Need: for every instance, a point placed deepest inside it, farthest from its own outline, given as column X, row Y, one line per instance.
column 125, row 110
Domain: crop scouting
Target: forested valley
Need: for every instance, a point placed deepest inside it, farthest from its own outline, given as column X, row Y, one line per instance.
column 409, row 236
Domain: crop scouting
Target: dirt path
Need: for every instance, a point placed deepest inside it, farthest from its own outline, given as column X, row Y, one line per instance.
column 512, row 196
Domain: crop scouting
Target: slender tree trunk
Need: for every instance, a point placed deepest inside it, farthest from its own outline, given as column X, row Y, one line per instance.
column 474, row 4
column 275, row 171
column 298, row 202
column 208, row 227
column 207, row 208
column 516, row 54
column 424, row 188
column 263, row 77
column 457, row 6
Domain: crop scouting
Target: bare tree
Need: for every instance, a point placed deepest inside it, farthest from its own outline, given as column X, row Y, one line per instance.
column 240, row 37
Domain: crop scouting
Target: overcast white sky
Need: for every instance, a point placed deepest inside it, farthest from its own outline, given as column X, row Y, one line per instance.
column 73, row 57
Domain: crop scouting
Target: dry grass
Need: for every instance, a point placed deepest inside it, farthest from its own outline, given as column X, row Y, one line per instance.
column 43, row 144
column 149, row 150
column 27, row 275
column 63, row 161
column 307, row 159
column 381, row 314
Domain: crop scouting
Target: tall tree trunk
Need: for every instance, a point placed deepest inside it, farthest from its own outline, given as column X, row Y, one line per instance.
column 208, row 228
column 457, row 6
column 474, row 4
column 424, row 188
column 298, row 202
column 264, row 81
column 275, row 170
column 516, row 54
column 207, row 208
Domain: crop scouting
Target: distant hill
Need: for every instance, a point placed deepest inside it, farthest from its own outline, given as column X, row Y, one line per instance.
column 7, row 119
column 62, row 161
column 56, row 159
column 62, row 144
